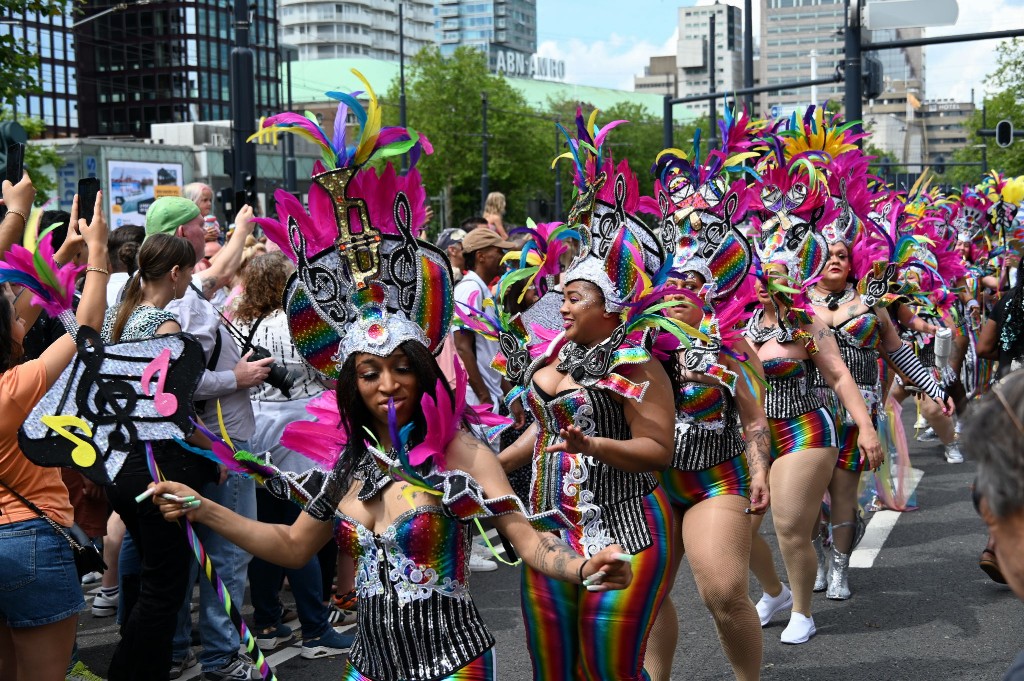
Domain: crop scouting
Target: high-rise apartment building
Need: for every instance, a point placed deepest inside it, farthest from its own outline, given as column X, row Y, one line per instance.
column 140, row 65
column 803, row 39
column 356, row 28
column 686, row 72
column 500, row 28
column 50, row 37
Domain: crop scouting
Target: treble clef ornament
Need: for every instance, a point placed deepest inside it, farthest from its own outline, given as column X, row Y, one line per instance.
column 113, row 402
column 403, row 261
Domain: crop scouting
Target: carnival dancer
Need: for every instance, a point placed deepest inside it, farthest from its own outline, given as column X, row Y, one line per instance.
column 851, row 297
column 925, row 259
column 718, row 476
column 604, row 417
column 368, row 305
column 791, row 343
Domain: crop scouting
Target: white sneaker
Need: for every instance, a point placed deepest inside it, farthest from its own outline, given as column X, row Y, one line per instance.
column 928, row 435
column 105, row 606
column 91, row 578
column 800, row 629
column 478, row 563
column 769, row 606
column 953, row 453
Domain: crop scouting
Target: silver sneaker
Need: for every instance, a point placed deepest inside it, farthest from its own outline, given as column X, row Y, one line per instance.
column 928, row 435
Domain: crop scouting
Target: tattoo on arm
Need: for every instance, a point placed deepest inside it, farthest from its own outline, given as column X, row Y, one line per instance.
column 554, row 557
column 759, row 443
column 209, row 285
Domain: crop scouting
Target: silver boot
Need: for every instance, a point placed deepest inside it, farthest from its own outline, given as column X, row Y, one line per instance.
column 819, row 550
column 838, row 573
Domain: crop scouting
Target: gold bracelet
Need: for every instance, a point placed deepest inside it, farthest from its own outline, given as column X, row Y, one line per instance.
column 19, row 214
column 90, row 268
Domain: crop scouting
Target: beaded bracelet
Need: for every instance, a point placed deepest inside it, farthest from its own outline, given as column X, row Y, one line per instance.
column 90, row 268
column 18, row 213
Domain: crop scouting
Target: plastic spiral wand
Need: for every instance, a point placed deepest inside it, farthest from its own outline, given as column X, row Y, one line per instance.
column 211, row 574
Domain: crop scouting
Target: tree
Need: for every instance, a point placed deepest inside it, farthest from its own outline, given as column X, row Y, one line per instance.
column 1006, row 101
column 444, row 101
column 18, row 56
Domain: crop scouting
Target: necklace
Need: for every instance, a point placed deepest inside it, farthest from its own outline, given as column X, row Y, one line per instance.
column 832, row 300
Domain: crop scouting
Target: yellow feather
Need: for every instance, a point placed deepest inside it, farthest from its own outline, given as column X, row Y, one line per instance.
column 567, row 155
column 675, row 152
column 591, row 122
column 371, row 131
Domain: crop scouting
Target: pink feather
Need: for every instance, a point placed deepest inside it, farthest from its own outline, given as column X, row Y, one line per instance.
column 379, row 191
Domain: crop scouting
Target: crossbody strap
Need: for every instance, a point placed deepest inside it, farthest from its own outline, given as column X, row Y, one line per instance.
column 35, row 509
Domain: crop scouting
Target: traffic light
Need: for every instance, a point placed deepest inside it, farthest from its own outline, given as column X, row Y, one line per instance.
column 871, row 78
column 1004, row 133
column 940, row 165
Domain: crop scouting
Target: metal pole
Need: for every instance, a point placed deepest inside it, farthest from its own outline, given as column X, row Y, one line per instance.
column 484, row 189
column 984, row 149
column 792, row 85
column 666, row 123
column 853, row 61
column 814, row 75
column 290, row 183
column 712, row 76
column 558, row 175
column 940, row 40
column 748, row 50
column 401, row 78
column 243, row 101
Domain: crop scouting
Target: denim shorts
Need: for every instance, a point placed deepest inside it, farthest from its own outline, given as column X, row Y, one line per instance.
column 38, row 581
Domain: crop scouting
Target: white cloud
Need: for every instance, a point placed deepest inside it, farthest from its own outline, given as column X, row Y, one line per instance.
column 605, row 63
column 952, row 70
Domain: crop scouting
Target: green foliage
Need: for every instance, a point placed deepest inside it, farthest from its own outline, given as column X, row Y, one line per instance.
column 443, row 101
column 20, row 57
column 876, row 167
column 1007, row 86
column 38, row 157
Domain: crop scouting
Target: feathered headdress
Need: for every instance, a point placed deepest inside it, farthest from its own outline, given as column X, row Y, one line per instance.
column 52, row 286
column 602, row 210
column 363, row 281
column 972, row 218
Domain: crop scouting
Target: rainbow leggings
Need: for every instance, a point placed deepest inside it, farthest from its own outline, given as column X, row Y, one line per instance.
column 686, row 489
column 576, row 634
column 813, row 430
column 480, row 669
column 850, row 458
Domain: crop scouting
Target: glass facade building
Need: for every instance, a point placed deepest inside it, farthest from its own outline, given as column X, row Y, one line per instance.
column 167, row 63
column 509, row 24
column 55, row 100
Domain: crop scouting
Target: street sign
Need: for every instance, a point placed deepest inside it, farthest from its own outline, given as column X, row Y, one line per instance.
column 775, row 111
column 887, row 14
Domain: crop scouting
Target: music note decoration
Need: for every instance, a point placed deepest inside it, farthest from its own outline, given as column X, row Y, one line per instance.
column 104, row 405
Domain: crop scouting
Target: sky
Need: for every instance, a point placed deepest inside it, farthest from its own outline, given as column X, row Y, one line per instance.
column 605, row 44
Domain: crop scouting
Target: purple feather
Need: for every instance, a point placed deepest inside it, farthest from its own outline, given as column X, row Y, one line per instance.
column 340, row 130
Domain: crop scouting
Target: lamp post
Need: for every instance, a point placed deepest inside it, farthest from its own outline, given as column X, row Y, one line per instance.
column 289, row 53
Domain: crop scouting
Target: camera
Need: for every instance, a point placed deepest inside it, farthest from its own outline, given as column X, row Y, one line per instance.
column 279, row 376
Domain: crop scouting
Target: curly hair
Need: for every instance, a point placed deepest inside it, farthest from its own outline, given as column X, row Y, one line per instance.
column 263, row 283
column 123, row 245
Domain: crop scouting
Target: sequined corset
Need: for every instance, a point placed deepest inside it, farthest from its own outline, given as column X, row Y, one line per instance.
column 417, row 620
column 859, row 339
column 707, row 427
column 605, row 503
column 789, row 388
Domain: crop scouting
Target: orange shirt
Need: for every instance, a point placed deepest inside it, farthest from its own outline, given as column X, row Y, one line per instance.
column 21, row 387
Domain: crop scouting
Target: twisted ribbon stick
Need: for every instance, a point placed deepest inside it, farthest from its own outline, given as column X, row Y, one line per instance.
column 215, row 581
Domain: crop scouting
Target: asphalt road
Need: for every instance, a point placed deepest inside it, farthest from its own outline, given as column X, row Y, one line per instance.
column 922, row 612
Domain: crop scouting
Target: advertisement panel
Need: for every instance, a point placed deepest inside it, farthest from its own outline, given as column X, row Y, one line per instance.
column 135, row 185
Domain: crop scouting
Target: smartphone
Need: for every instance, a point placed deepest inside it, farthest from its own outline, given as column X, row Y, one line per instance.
column 15, row 162
column 88, row 188
column 240, row 197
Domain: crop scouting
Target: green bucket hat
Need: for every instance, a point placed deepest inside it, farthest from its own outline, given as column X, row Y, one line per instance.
column 168, row 213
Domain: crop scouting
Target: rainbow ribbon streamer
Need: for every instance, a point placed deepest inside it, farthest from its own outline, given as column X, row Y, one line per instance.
column 211, row 574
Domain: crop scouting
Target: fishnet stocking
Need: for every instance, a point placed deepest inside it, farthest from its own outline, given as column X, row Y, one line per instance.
column 843, row 508
column 798, row 482
column 716, row 539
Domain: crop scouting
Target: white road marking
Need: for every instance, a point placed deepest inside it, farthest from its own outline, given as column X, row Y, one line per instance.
column 879, row 528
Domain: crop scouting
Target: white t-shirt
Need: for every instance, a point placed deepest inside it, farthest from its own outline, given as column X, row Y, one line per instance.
column 485, row 349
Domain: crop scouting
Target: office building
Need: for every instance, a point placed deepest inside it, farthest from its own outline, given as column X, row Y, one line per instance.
column 945, row 127
column 139, row 65
column 56, row 77
column 505, row 30
column 803, row 39
column 686, row 72
column 355, row 28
